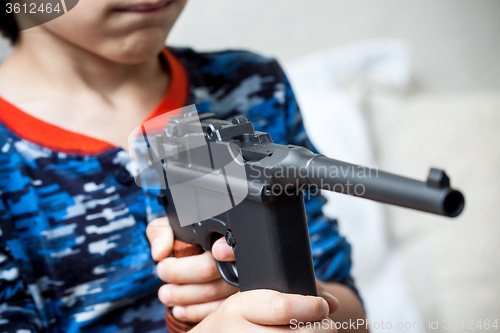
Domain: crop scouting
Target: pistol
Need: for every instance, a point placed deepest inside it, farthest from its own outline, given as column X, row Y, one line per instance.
column 224, row 179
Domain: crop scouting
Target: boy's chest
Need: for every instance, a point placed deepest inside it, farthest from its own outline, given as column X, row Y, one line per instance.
column 81, row 224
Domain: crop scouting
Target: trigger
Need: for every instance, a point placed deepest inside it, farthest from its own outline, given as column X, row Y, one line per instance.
column 229, row 272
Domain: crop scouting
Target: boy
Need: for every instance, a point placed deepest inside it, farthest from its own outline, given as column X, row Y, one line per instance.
column 74, row 253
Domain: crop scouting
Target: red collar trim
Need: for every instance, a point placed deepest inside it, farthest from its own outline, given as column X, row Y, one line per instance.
column 59, row 139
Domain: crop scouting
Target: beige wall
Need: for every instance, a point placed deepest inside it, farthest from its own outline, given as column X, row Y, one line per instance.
column 456, row 43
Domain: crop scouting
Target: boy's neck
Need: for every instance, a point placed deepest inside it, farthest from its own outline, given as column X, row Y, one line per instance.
column 72, row 88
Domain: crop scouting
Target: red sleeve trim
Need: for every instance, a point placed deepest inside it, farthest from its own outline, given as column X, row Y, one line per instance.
column 59, row 139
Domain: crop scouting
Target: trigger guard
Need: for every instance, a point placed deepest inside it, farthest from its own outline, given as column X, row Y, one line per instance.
column 229, row 273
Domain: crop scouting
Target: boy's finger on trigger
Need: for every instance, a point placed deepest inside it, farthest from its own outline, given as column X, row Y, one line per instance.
column 161, row 237
column 221, row 251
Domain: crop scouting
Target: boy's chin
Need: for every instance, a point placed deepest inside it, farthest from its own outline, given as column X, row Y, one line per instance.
column 133, row 51
column 127, row 47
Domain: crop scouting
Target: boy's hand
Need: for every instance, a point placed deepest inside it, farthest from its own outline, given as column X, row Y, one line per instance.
column 267, row 311
column 195, row 287
column 223, row 252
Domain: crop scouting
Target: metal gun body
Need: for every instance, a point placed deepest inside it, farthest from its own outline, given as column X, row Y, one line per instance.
column 267, row 227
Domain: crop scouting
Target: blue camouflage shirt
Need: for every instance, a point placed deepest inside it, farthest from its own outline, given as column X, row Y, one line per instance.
column 73, row 252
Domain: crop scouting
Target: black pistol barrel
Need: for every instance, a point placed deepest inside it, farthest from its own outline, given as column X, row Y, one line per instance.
column 433, row 196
